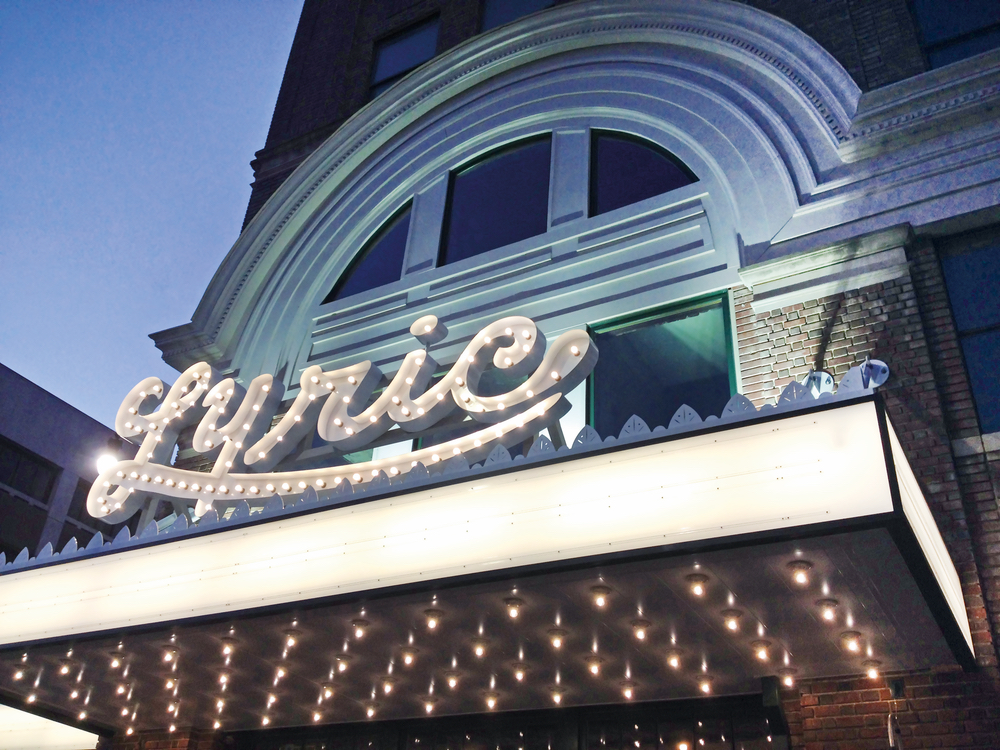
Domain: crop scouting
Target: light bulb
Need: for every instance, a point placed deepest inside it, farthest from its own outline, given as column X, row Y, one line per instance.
column 828, row 609
column 600, row 595
column 557, row 636
column 387, row 687
column 409, row 656
column 851, row 640
column 556, row 697
column 433, row 618
column 628, row 690
column 19, row 675
column 82, row 715
column 360, row 628
column 479, row 648
column 491, row 701
column 428, row 706
column 674, row 659
column 513, row 605
column 640, row 628
column 705, row 686
column 732, row 619
column 594, row 665
column 697, row 582
column 871, row 668
column 452, row 678
column 370, row 711
column 800, row 571
column 760, row 649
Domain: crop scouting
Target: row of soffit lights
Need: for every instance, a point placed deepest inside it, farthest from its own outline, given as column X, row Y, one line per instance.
column 852, row 641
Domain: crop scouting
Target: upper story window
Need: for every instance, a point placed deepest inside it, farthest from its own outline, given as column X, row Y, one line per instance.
column 380, row 261
column 25, row 472
column 972, row 273
column 625, row 170
column 498, row 12
column 501, row 198
column 956, row 30
column 652, row 365
column 397, row 55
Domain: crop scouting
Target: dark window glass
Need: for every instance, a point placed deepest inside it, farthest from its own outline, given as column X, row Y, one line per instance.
column 22, row 470
column 380, row 261
column 955, row 30
column 498, row 12
column 401, row 53
column 652, row 366
column 501, row 198
column 22, row 525
column 78, row 505
column 625, row 170
column 972, row 273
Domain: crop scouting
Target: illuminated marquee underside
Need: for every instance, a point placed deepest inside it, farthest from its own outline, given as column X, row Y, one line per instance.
column 231, row 420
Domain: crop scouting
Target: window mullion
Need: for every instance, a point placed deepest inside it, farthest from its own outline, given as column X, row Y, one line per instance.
column 569, row 180
column 426, row 221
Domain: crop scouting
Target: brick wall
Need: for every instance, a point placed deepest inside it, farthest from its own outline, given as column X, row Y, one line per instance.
column 908, row 324
column 328, row 72
column 183, row 739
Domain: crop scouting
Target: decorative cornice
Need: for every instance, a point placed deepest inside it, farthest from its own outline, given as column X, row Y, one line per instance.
column 730, row 30
column 861, row 261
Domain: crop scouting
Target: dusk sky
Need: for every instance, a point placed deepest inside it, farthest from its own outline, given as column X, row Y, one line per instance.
column 126, row 132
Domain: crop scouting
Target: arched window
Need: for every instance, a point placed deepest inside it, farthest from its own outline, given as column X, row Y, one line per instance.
column 501, row 198
column 625, row 170
column 380, row 261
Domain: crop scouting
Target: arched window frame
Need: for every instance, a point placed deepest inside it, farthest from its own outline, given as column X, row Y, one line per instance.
column 569, row 203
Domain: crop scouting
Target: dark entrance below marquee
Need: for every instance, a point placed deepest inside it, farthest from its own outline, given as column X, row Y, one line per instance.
column 733, row 723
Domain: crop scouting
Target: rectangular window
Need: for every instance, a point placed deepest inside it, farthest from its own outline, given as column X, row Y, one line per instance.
column 498, row 12
column 400, row 53
column 22, row 470
column 956, row 30
column 971, row 268
column 651, row 365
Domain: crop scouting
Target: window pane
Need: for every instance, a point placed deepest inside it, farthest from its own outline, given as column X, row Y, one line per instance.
column 982, row 358
column 502, row 198
column 971, row 279
column 379, row 263
column 959, row 50
column 498, row 12
column 405, row 51
column 625, row 170
column 944, row 20
column 652, row 367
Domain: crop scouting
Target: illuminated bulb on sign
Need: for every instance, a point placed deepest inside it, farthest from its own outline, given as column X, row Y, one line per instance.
column 491, row 701
column 428, row 706
column 387, row 687
column 115, row 662
column 370, row 711
column 227, row 647
column 600, row 595
column 121, row 690
column 82, row 715
column 265, row 721
column 628, row 690
column 519, row 672
column 19, row 675
column 452, row 678
column 674, row 659
column 639, row 628
column 479, row 648
column 74, row 695
column 697, row 582
column 216, row 725
column 279, row 674
column 705, row 686
column 594, row 665
column 409, row 656
column 291, row 638
column 513, row 605
column 31, row 698
column 787, row 677
column 317, row 716
column 556, row 697
column 871, row 668
column 800, row 571
column 360, row 628
column 327, row 692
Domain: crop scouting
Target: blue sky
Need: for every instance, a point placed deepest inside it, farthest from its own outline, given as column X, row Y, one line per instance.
column 126, row 132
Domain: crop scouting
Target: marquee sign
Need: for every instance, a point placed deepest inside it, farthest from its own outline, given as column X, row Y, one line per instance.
column 234, row 423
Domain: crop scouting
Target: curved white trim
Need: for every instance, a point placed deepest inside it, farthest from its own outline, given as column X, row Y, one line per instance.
column 753, row 106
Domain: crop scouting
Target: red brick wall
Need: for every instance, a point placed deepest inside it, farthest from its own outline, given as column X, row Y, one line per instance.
column 908, row 324
column 183, row 739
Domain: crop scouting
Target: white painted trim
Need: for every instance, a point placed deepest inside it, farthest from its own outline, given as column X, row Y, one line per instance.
column 751, row 478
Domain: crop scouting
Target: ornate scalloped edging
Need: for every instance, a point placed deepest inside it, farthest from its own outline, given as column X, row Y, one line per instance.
column 858, row 381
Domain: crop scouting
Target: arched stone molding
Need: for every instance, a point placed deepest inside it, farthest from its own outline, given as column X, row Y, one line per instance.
column 752, row 105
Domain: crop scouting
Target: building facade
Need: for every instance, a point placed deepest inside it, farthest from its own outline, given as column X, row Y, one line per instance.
column 48, row 455
column 615, row 374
